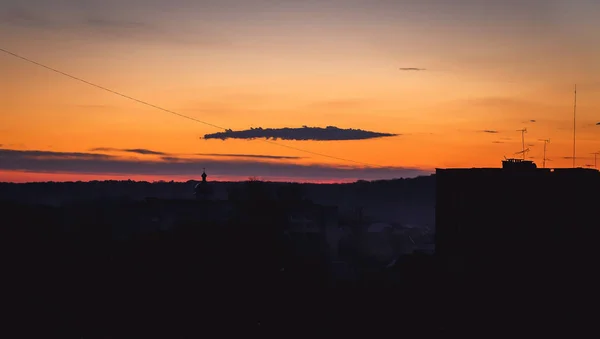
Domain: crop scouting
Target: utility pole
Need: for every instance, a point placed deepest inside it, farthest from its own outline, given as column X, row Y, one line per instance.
column 574, row 123
column 596, row 159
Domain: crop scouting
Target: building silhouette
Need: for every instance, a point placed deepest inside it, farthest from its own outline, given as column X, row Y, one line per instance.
column 516, row 222
column 203, row 190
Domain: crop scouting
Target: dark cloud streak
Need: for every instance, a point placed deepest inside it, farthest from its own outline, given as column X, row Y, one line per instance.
column 329, row 133
column 412, row 69
column 170, row 156
column 256, row 156
column 142, row 151
column 9, row 154
column 84, row 163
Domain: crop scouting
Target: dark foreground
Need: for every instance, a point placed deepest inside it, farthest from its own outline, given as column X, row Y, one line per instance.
column 235, row 279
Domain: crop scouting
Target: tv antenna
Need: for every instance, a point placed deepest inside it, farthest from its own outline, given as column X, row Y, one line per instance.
column 574, row 125
column 596, row 159
column 546, row 142
column 523, row 151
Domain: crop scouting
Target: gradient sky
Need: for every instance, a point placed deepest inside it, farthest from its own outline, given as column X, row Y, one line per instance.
column 488, row 66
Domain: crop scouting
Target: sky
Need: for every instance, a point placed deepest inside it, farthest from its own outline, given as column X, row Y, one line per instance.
column 405, row 87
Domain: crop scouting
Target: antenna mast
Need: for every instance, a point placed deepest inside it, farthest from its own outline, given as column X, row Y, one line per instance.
column 574, row 125
column 546, row 142
column 523, row 131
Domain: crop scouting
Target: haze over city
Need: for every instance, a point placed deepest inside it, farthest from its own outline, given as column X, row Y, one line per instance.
column 408, row 86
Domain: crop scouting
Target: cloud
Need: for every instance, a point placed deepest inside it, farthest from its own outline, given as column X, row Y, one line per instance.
column 84, row 163
column 329, row 133
column 532, row 121
column 170, row 159
column 9, row 155
column 256, row 156
column 490, row 131
column 412, row 69
column 497, row 142
column 142, row 151
column 115, row 25
column 598, row 124
column 30, row 17
column 170, row 156
column 23, row 17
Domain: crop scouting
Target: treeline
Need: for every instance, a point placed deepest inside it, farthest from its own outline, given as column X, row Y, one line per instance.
column 416, row 190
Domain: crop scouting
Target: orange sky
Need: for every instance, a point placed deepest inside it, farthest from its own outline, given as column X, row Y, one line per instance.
column 316, row 65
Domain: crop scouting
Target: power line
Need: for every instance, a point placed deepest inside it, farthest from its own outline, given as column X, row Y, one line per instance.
column 169, row 111
column 321, row 154
column 108, row 90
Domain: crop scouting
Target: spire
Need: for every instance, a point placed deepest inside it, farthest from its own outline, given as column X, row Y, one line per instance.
column 203, row 189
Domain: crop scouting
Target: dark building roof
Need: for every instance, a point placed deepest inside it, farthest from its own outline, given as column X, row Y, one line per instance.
column 514, row 217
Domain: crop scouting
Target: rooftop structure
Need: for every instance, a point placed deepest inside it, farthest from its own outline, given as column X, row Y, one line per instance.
column 518, row 164
column 518, row 217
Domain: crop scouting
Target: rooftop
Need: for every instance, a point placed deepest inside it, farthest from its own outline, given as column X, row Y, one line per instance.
column 522, row 166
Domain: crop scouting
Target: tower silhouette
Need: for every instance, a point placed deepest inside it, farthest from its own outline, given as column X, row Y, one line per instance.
column 202, row 191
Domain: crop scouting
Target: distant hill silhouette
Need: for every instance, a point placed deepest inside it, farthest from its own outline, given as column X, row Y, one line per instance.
column 413, row 191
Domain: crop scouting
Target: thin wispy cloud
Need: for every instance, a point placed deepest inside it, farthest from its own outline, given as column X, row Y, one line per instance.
column 532, row 121
column 170, row 159
column 33, row 17
column 412, row 69
column 17, row 15
column 141, row 151
column 497, row 142
column 598, row 124
column 254, row 156
column 491, row 131
column 329, row 133
column 11, row 154
column 83, row 163
column 172, row 156
column 90, row 21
